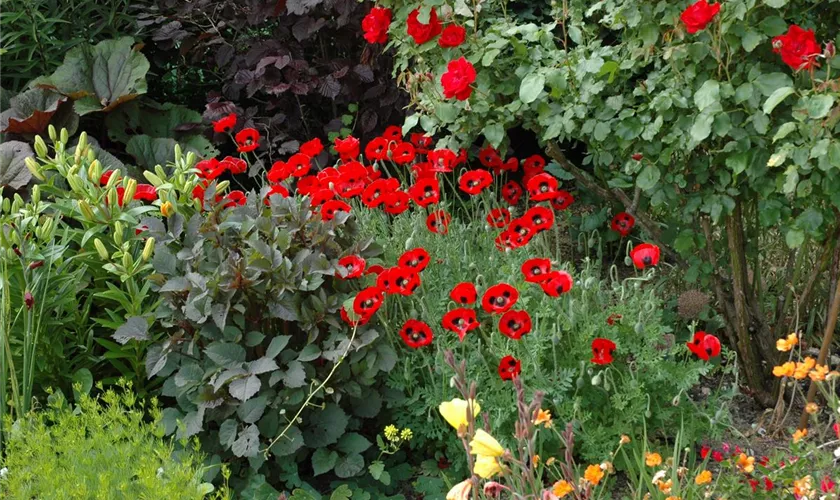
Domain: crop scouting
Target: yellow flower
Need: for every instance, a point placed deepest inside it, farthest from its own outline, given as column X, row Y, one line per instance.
column 535, row 460
column 550, row 461
column 593, row 474
column 455, row 412
column 665, row 486
column 812, row 408
column 799, row 434
column 818, row 373
column 746, row 464
column 485, row 444
column 785, row 370
column 704, row 477
column 804, row 367
column 786, row 344
column 562, row 488
column 391, row 432
column 406, row 434
column 167, row 209
column 672, row 497
column 653, row 459
column 486, row 466
column 460, row 491
column 543, row 417
column 802, row 487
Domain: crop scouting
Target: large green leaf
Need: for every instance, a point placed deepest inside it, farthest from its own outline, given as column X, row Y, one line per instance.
column 13, row 171
column 103, row 76
column 149, row 118
column 150, row 151
column 30, row 112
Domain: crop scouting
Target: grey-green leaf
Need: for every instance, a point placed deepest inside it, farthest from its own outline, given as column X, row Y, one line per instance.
column 531, row 87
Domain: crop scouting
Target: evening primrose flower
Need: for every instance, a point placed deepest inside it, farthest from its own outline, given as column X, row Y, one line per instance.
column 455, row 412
column 483, row 444
column 486, row 466
column 460, row 491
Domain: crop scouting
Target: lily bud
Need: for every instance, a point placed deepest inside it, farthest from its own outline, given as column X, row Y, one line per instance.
column 113, row 180
column 40, row 147
column 113, row 197
column 17, row 204
column 222, row 186
column 118, row 233
column 178, row 154
column 86, row 210
column 148, row 249
column 82, row 141
column 191, row 158
column 7, row 205
column 152, row 178
column 94, row 171
column 36, row 194
column 160, row 172
column 64, row 135
column 100, row 249
column 127, row 261
column 130, row 189
column 34, row 168
column 167, row 209
column 51, row 131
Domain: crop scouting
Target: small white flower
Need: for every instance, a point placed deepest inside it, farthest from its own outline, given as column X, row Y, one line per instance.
column 658, row 476
column 837, row 453
column 160, row 472
column 3, row 472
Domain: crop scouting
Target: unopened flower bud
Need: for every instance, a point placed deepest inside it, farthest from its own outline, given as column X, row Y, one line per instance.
column 29, row 300
column 160, row 172
column 100, row 249
column 52, row 133
column 36, row 194
column 34, row 168
column 17, row 204
column 40, row 147
column 222, row 186
column 178, row 154
column 118, row 233
column 127, row 261
column 130, row 189
column 94, row 171
column 830, row 50
column 82, row 141
column 152, row 178
column 113, row 180
column 6, row 205
column 148, row 249
column 167, row 209
column 191, row 158
column 86, row 210
column 36, row 264
column 113, row 198
column 64, row 135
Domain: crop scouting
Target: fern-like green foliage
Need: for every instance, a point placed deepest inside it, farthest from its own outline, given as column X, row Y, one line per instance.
column 105, row 448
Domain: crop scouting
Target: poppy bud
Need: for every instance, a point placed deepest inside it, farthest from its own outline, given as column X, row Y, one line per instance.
column 222, row 186
column 29, row 300
column 118, row 233
column 596, row 380
column 639, row 328
column 100, row 249
column 33, row 168
column 152, row 178
column 167, row 209
column 51, row 131
column 637, row 156
column 148, row 249
column 36, row 264
column 64, row 135
column 40, row 147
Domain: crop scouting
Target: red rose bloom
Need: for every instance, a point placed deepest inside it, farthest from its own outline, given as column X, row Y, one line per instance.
column 375, row 25
column 332, row 207
column 645, row 255
column 247, row 140
column 542, row 187
column 353, row 266
column 602, row 350
column 425, row 192
column 225, row 125
column 511, row 192
column 623, row 223
column 347, row 149
column 416, row 259
column 457, row 81
column 396, row 202
column 473, row 181
column 452, row 36
column 536, row 270
column 515, row 324
column 460, row 321
column 311, row 148
column 698, row 15
column 464, row 293
column 438, row 222
column 145, row 192
column 422, row 33
column 509, row 368
column 798, row 48
column 368, row 301
column 562, row 200
column 416, row 334
column 499, row 298
column 499, row 217
column 704, row 345
column 557, row 283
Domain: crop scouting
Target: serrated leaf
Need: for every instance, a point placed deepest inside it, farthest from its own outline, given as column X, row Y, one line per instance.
column 252, row 410
column 323, row 460
column 244, row 388
column 248, row 442
column 226, row 354
column 376, row 469
column 707, row 95
column 227, row 433
column 277, row 345
column 295, row 375
column 262, row 365
column 343, row 492
column 135, row 328
column 818, row 106
column 325, row 426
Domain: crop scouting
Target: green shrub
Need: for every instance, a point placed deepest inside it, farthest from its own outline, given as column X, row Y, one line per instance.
column 104, row 448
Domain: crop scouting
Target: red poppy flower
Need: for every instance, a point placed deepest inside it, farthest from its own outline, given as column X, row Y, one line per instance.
column 473, row 181
column 489, row 157
column 509, row 368
column 602, row 350
column 320, row 196
column 233, row 198
column 311, row 148
column 347, row 149
column 704, row 345
column 541, row 218
column 375, row 269
column 768, row 484
column 698, row 15
column 416, row 334
column 275, row 189
column 704, row 451
column 353, row 266
column 396, row 202
column 645, row 255
column 536, row 270
column 562, row 200
column 351, row 181
column 623, row 223
column 198, row 193
column 385, row 280
column 464, row 293
column 460, row 321
column 235, row 165
column 533, row 164
column 332, row 207
column 438, row 222
column 374, row 195
column 499, row 298
column 557, row 283
column 798, row 48
column 145, row 192
column 417, row 259
column 420, row 32
column 542, row 187
column 403, row 153
column 368, row 301
column 225, row 124
column 209, row 169
column 421, row 141
column 375, row 25
column 612, row 319
column 360, row 320
column 299, row 164
column 405, row 280
column 511, row 192
column 377, row 149
column 247, row 139
column 499, row 217
column 521, row 231
column 442, row 160
column 510, row 165
column 279, row 172
column 393, row 133
column 425, row 192
column 515, row 324
column 717, row 456
column 452, row 36
column 457, row 81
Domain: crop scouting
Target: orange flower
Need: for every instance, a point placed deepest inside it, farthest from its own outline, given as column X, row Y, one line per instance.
column 624, row 439
column 785, row 370
column 812, row 408
column 802, row 487
column 665, row 486
column 653, row 459
column 746, row 464
column 535, row 460
column 593, row 474
column 803, row 367
column 704, row 477
column 562, row 488
column 672, row 497
column 786, row 344
column 543, row 417
column 818, row 373
column 799, row 434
